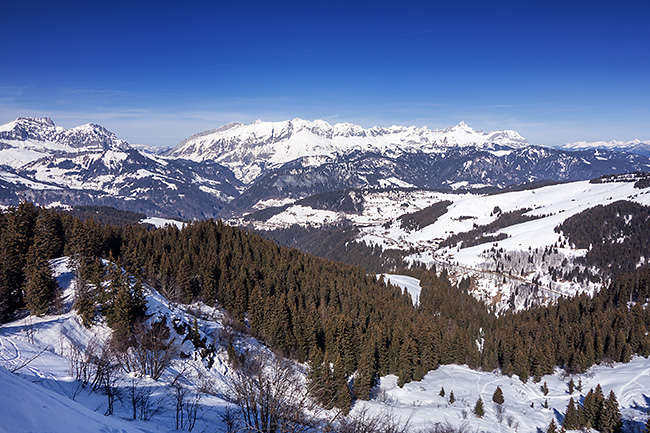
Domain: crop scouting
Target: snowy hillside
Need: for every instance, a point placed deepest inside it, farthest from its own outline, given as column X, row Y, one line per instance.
column 250, row 150
column 42, row 351
column 495, row 279
column 420, row 403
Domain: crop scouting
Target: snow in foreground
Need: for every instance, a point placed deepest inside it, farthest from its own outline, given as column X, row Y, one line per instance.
column 420, row 404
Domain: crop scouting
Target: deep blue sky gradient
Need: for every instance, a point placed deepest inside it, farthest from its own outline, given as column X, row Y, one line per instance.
column 156, row 72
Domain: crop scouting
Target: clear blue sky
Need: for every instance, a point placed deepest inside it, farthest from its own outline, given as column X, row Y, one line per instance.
column 156, row 72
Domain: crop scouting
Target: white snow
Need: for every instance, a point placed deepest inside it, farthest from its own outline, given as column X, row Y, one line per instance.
column 162, row 222
column 409, row 284
column 270, row 144
column 420, row 404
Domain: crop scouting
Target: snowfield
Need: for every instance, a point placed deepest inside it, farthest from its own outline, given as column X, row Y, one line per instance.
column 420, row 404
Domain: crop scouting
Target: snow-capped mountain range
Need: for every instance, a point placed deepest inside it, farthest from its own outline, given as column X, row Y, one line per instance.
column 635, row 146
column 251, row 150
column 45, row 163
column 230, row 170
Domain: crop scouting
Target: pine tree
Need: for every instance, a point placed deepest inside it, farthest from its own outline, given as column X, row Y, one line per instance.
column 40, row 287
column 545, row 388
column 497, row 397
column 592, row 407
column 610, row 418
column 366, row 372
column 442, row 391
column 552, row 427
column 571, row 386
column 452, row 399
column 571, row 418
column 343, row 398
column 479, row 410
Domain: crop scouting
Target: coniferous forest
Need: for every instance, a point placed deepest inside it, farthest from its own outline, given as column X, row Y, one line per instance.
column 312, row 309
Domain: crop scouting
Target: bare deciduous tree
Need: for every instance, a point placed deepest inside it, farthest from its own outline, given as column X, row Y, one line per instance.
column 153, row 349
column 271, row 397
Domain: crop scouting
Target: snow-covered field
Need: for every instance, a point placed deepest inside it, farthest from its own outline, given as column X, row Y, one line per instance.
column 408, row 284
column 420, row 404
column 162, row 222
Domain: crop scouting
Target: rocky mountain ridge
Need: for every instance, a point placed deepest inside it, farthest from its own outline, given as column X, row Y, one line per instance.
column 229, row 171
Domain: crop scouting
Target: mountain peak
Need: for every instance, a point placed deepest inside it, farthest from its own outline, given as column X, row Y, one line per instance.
column 46, row 121
column 90, row 136
column 252, row 149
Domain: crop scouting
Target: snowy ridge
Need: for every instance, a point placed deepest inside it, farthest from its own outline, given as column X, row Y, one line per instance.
column 88, row 164
column 634, row 146
column 27, row 139
column 251, row 149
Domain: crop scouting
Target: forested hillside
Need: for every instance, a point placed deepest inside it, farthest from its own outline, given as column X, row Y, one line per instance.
column 312, row 309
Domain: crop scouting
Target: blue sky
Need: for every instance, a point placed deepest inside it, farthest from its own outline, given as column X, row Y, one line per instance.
column 157, row 72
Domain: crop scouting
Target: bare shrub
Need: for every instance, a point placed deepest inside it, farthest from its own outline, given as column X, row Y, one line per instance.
column 141, row 400
column 81, row 366
column 153, row 350
column 446, row 427
column 270, row 396
column 364, row 422
column 106, row 367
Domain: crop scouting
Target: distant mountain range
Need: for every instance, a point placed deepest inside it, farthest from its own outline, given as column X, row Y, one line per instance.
column 635, row 146
column 230, row 170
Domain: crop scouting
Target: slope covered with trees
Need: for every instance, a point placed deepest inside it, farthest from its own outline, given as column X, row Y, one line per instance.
column 336, row 316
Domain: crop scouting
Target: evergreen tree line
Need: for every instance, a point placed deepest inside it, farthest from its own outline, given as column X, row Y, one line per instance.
column 601, row 229
column 335, row 316
column 596, row 412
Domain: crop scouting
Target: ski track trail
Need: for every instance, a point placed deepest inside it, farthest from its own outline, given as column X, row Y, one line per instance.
column 9, row 352
column 627, row 396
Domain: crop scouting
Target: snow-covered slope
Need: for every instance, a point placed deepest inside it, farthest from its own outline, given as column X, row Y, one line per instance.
column 44, row 396
column 495, row 280
column 420, row 404
column 634, row 146
column 250, row 150
column 27, row 407
column 88, row 164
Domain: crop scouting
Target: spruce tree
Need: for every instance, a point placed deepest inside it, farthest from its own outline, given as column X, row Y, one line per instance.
column 610, row 419
column 571, row 418
column 545, row 388
column 442, row 391
column 366, row 372
column 40, row 286
column 479, row 410
column 497, row 397
column 552, row 427
column 343, row 399
column 452, row 399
